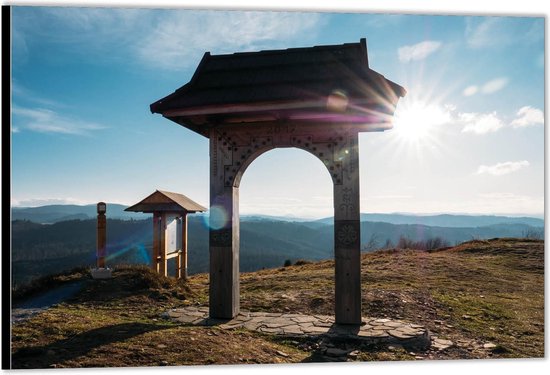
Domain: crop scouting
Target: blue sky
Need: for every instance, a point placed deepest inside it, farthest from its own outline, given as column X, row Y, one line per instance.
column 468, row 138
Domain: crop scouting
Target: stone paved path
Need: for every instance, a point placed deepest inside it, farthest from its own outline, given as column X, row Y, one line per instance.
column 375, row 331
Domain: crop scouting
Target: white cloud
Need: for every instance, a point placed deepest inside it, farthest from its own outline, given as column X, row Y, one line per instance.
column 528, row 116
column 500, row 169
column 418, row 51
column 106, row 32
column 489, row 87
column 179, row 39
column 21, row 92
column 491, row 32
column 470, row 90
column 47, row 121
column 480, row 123
column 494, row 85
column 383, row 20
column 163, row 39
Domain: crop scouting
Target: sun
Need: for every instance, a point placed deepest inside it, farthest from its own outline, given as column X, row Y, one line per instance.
column 415, row 121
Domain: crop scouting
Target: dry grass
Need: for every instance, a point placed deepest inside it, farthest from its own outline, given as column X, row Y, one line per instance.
column 117, row 323
column 479, row 292
column 476, row 293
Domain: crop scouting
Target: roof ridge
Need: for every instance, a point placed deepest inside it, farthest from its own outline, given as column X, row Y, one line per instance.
column 291, row 49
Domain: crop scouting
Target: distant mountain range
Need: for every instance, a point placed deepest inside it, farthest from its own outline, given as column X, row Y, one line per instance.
column 447, row 220
column 56, row 213
column 59, row 212
column 266, row 242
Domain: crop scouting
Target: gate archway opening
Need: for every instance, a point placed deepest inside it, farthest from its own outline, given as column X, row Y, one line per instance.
column 291, row 176
column 278, row 188
column 317, row 99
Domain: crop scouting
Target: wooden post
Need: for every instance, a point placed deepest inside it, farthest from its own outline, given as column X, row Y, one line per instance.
column 101, row 238
column 224, row 237
column 163, row 266
column 224, row 256
column 156, row 242
column 347, row 237
column 182, row 258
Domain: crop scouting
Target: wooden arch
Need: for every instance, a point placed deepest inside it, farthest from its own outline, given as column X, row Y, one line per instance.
column 337, row 148
column 316, row 99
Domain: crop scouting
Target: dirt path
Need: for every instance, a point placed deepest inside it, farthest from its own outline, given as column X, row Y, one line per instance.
column 32, row 306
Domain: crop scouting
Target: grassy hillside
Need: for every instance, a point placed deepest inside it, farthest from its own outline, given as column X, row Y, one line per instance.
column 485, row 296
column 38, row 250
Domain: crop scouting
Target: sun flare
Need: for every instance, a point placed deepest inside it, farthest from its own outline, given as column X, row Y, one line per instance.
column 416, row 120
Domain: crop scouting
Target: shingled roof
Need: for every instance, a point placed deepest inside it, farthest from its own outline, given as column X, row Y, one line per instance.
column 290, row 84
column 165, row 201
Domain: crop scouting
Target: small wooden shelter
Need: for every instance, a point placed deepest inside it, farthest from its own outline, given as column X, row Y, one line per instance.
column 169, row 228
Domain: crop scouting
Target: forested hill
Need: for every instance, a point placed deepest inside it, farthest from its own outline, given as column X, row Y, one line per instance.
column 62, row 212
column 40, row 249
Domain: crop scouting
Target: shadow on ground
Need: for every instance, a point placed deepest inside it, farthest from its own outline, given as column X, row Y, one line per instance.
column 79, row 345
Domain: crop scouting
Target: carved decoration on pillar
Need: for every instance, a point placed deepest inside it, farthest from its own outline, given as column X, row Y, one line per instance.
column 347, row 206
column 333, row 146
column 220, row 237
column 347, row 233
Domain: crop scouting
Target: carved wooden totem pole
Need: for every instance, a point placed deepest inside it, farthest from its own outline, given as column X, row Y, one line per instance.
column 316, row 99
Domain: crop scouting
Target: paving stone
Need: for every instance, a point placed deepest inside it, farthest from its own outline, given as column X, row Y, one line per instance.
column 303, row 319
column 242, row 319
column 272, row 314
column 409, row 331
column 270, row 330
column 400, row 335
column 393, row 324
column 293, row 330
column 441, row 344
column 324, row 318
column 231, row 325
column 315, row 329
column 253, row 324
column 259, row 314
column 373, row 333
column 381, row 330
column 323, row 324
column 278, row 322
column 187, row 318
column 196, row 313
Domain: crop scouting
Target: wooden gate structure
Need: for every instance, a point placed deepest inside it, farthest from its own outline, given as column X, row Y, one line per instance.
column 170, row 212
column 316, row 99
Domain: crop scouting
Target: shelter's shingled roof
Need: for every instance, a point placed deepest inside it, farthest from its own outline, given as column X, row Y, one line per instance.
column 280, row 85
column 165, row 201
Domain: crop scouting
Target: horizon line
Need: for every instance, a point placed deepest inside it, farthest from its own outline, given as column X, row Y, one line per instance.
column 306, row 217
